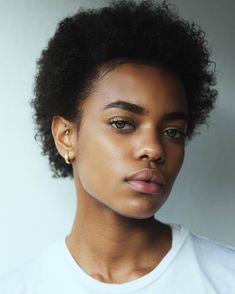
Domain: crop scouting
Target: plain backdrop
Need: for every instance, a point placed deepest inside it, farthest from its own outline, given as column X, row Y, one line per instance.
column 35, row 209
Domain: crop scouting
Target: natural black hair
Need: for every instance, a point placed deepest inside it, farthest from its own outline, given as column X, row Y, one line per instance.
column 124, row 31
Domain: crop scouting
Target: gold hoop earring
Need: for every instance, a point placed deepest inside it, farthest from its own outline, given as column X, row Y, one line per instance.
column 66, row 157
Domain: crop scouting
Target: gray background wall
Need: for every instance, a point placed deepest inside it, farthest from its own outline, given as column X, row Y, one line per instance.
column 36, row 209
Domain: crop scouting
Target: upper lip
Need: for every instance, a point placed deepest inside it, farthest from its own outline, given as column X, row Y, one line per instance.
column 148, row 174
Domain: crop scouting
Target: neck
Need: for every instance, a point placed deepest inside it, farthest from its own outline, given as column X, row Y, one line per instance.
column 106, row 242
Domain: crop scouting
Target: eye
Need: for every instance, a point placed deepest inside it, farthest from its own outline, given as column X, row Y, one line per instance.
column 175, row 133
column 120, row 123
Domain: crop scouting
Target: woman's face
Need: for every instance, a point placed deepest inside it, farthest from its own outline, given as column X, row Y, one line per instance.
column 108, row 152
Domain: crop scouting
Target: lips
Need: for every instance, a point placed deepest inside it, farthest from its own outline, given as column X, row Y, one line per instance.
column 148, row 175
column 149, row 181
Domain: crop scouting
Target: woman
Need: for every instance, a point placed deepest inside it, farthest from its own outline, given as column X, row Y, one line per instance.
column 119, row 92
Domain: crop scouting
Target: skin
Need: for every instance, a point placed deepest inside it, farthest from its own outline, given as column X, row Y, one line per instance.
column 115, row 237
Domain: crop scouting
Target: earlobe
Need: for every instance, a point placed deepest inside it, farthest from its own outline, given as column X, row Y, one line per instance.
column 67, row 159
column 63, row 133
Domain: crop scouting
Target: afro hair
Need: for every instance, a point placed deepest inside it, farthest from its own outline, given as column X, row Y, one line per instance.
column 144, row 32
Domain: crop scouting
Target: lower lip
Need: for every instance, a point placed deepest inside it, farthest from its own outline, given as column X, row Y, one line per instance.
column 142, row 186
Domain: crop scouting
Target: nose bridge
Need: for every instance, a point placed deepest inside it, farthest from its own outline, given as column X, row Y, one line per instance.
column 150, row 144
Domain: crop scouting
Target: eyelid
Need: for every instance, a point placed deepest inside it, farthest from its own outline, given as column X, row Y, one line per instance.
column 182, row 133
column 126, row 121
column 120, row 117
column 131, row 122
column 176, row 128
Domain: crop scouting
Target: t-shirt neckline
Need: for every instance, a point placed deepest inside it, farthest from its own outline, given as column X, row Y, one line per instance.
column 179, row 235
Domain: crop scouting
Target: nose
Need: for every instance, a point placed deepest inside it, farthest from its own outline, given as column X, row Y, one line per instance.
column 150, row 148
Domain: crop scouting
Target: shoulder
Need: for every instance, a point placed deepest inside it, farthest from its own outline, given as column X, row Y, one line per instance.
column 18, row 281
column 214, row 253
column 216, row 260
column 25, row 278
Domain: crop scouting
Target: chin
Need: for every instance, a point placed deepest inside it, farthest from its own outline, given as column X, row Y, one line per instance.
column 139, row 216
column 139, row 212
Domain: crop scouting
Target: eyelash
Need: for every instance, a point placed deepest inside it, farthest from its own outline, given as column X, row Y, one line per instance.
column 118, row 120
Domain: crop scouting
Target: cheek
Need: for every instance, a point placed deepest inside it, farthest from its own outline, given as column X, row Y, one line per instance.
column 179, row 158
column 175, row 158
column 99, row 160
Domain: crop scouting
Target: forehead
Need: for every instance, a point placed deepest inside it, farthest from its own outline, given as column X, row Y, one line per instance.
column 152, row 88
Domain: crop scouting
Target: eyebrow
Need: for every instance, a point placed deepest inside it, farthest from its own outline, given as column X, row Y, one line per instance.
column 127, row 106
column 137, row 109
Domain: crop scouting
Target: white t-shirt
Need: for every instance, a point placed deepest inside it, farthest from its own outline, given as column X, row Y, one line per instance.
column 193, row 265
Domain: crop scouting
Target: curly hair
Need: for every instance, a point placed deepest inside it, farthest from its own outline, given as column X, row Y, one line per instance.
column 146, row 32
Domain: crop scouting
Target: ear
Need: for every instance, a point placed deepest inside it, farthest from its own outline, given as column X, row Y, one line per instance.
column 65, row 136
